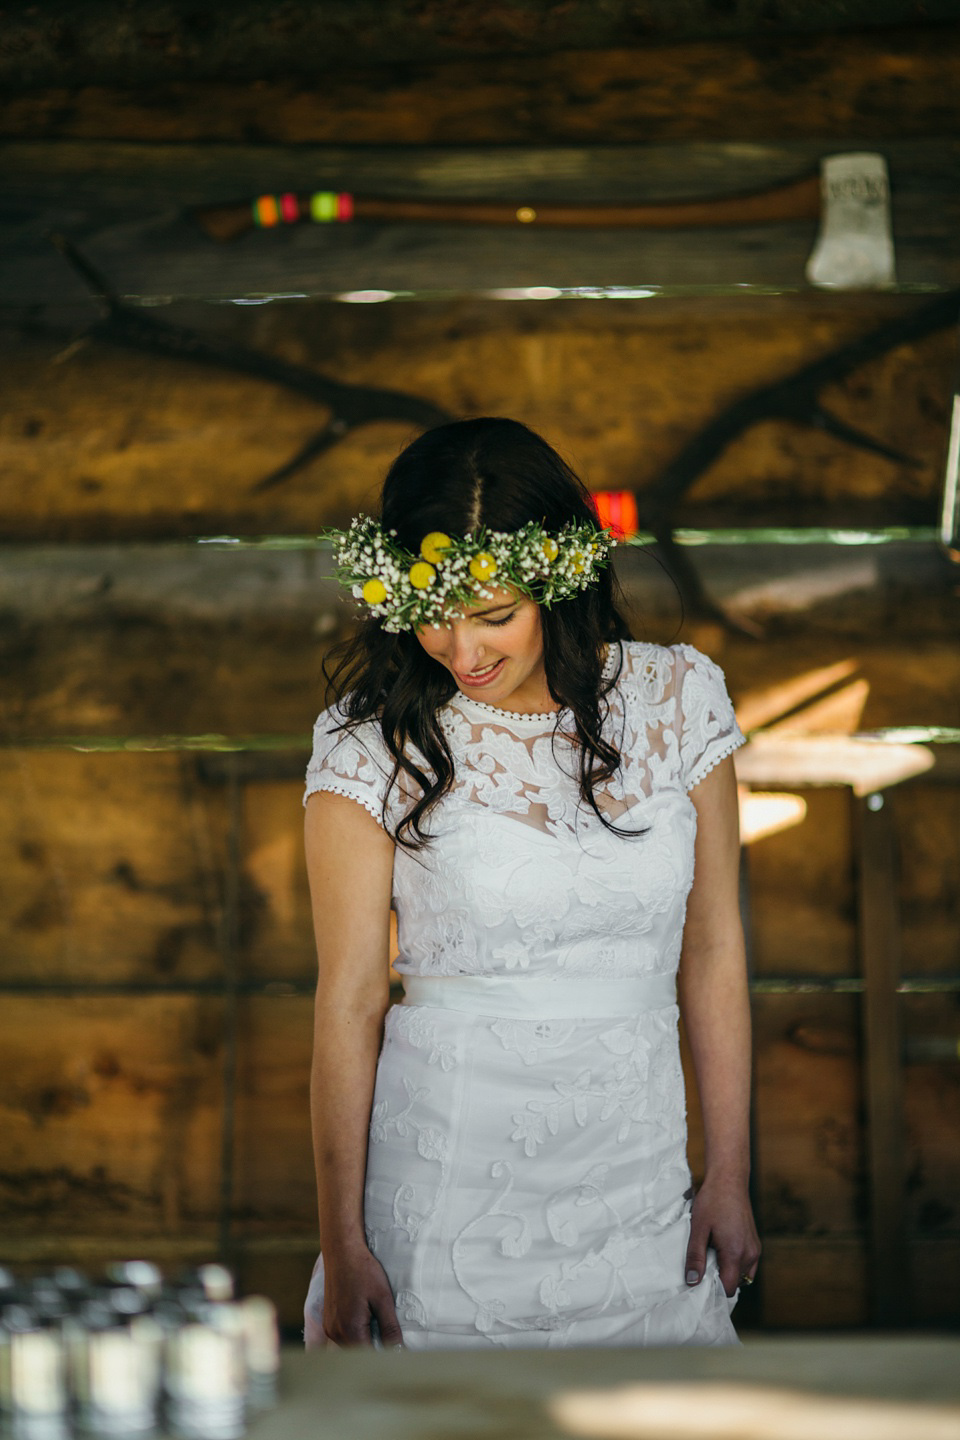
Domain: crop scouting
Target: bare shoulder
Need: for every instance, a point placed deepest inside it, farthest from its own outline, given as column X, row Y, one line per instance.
column 349, row 859
column 338, row 822
column 715, row 793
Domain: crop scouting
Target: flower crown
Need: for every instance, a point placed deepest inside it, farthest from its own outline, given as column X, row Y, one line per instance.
column 408, row 591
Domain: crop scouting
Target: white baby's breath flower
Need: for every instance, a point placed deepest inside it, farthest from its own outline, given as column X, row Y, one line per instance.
column 547, row 567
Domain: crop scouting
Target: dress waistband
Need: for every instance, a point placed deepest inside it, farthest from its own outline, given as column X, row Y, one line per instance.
column 510, row 998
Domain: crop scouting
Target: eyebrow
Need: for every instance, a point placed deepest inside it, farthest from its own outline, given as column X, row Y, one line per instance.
column 479, row 614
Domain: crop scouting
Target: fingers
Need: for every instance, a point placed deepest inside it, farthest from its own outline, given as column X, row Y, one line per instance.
column 735, row 1260
column 749, row 1262
column 737, row 1265
column 351, row 1325
column 366, row 1316
column 729, row 1267
column 696, row 1261
column 391, row 1335
column 721, row 1219
column 347, row 1335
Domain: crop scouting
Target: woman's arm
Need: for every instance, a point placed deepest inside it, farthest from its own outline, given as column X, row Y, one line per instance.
column 350, row 869
column 716, row 1012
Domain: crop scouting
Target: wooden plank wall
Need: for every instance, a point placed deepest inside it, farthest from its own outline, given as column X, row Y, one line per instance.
column 178, row 448
column 886, row 83
column 154, row 928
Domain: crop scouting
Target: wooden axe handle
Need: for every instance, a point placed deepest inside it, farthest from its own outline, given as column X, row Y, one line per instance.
column 796, row 200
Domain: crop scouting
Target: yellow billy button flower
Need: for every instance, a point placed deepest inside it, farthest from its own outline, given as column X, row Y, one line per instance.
column 483, row 566
column 434, row 545
column 550, row 549
column 579, row 562
column 422, row 575
column 374, row 592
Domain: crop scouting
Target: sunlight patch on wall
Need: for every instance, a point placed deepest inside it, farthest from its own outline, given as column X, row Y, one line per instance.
column 766, row 707
column 838, row 713
column 764, row 812
column 776, row 759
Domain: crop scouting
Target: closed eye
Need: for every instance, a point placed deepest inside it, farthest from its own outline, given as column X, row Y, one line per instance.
column 505, row 621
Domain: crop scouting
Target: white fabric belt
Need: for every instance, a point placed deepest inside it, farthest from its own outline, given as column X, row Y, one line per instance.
column 510, row 998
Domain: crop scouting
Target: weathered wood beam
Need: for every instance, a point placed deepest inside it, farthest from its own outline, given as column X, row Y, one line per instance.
column 124, row 204
column 87, row 630
column 879, row 85
column 95, row 1250
column 89, row 42
column 216, row 584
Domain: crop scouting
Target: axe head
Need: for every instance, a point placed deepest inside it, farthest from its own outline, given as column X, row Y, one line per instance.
column 854, row 250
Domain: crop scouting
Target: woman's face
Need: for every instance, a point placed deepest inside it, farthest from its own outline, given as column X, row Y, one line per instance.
column 494, row 652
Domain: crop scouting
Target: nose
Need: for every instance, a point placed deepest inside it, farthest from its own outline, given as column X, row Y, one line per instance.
column 466, row 648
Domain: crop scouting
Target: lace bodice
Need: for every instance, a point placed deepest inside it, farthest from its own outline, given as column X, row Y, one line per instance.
column 521, row 876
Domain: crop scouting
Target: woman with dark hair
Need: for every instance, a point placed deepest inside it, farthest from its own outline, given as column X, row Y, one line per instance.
column 550, row 808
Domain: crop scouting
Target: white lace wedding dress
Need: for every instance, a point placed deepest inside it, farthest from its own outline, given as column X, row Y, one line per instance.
column 527, row 1181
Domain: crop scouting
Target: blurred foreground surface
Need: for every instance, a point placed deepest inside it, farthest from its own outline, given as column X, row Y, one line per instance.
column 787, row 1388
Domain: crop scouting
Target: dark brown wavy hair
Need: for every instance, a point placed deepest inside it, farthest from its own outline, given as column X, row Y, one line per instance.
column 499, row 474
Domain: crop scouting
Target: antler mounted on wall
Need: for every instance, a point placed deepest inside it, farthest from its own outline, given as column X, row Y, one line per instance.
column 351, row 406
column 795, row 398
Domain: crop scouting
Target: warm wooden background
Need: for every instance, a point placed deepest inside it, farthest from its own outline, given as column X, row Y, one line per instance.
column 154, row 924
column 102, row 443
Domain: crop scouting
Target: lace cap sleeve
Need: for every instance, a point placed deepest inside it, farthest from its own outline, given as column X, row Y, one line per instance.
column 352, row 762
column 708, row 726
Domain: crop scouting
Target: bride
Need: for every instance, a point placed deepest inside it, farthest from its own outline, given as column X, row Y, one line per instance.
column 550, row 808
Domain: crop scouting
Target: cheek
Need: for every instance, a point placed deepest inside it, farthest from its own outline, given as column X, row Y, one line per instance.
column 533, row 636
column 433, row 642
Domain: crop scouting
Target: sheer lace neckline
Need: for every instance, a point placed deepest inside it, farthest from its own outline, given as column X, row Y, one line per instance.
column 480, row 710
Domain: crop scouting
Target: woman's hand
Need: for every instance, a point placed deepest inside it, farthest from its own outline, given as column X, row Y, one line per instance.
column 356, row 1291
column 722, row 1217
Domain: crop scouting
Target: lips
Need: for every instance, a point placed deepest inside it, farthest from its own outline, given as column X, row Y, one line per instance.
column 481, row 678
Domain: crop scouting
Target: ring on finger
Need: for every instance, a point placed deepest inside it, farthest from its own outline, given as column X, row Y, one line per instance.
column 746, row 1279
